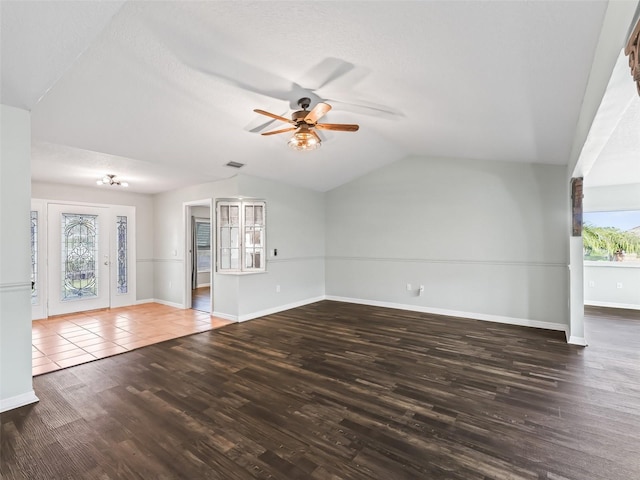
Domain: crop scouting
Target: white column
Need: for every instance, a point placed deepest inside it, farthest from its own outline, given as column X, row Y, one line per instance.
column 576, row 293
column 16, row 387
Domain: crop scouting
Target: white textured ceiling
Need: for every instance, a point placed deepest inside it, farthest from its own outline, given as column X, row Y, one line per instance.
column 162, row 93
column 619, row 161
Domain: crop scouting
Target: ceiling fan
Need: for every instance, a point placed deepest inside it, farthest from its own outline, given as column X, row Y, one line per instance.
column 304, row 122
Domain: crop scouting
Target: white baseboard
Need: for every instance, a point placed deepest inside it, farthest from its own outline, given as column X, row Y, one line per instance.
column 202, row 285
column 225, row 316
column 162, row 302
column 21, row 400
column 145, row 300
column 523, row 322
column 170, row 304
column 279, row 308
column 573, row 340
column 628, row 306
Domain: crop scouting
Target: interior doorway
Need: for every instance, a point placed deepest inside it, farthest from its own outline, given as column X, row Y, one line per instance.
column 608, row 248
column 199, row 255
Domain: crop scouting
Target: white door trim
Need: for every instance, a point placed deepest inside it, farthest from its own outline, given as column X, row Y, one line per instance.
column 188, row 239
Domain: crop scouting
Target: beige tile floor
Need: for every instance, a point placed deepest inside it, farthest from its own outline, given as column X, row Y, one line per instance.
column 68, row 340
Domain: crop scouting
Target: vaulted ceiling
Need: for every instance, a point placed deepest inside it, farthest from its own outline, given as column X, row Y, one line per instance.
column 162, row 93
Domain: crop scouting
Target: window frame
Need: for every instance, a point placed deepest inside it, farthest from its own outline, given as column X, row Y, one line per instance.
column 242, row 269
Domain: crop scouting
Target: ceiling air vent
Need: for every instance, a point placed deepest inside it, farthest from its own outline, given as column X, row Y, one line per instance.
column 235, row 164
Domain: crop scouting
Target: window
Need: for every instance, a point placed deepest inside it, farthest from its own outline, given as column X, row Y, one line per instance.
column 241, row 236
column 612, row 237
column 203, row 245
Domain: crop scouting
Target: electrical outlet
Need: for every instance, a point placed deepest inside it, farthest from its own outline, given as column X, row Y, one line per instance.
column 592, row 283
column 408, row 287
column 277, row 288
column 619, row 285
column 421, row 291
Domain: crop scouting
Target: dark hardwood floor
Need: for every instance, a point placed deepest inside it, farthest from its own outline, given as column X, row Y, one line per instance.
column 201, row 299
column 340, row 391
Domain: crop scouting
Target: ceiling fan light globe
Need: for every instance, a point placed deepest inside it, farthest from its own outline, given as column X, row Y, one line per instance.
column 303, row 141
column 99, row 182
column 124, row 184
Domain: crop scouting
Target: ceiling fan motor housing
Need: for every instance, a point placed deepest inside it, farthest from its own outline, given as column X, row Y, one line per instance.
column 304, row 102
column 299, row 116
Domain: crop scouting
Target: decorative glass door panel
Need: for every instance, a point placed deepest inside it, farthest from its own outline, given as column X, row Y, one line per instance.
column 79, row 257
column 38, row 260
column 78, row 244
column 122, row 277
column 122, row 223
column 35, row 286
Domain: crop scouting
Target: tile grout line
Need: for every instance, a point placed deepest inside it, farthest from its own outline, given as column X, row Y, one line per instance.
column 153, row 324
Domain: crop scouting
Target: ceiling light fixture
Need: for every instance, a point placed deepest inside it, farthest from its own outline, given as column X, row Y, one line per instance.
column 111, row 180
column 304, row 139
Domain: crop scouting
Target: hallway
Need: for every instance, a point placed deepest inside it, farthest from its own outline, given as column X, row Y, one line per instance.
column 68, row 340
column 201, row 299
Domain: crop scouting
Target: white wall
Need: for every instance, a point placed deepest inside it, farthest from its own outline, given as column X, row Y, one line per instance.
column 607, row 284
column 611, row 198
column 602, row 279
column 15, row 259
column 107, row 195
column 201, row 212
column 296, row 228
column 488, row 240
column 170, row 236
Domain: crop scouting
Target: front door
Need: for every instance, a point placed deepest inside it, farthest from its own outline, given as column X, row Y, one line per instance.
column 78, row 245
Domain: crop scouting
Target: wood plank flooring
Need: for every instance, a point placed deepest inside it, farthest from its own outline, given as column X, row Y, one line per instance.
column 201, row 299
column 340, row 391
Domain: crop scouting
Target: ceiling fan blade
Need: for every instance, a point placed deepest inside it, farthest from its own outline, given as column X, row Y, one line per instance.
column 342, row 127
column 280, row 131
column 366, row 108
column 324, row 73
column 317, row 112
column 273, row 115
column 188, row 47
column 258, row 127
